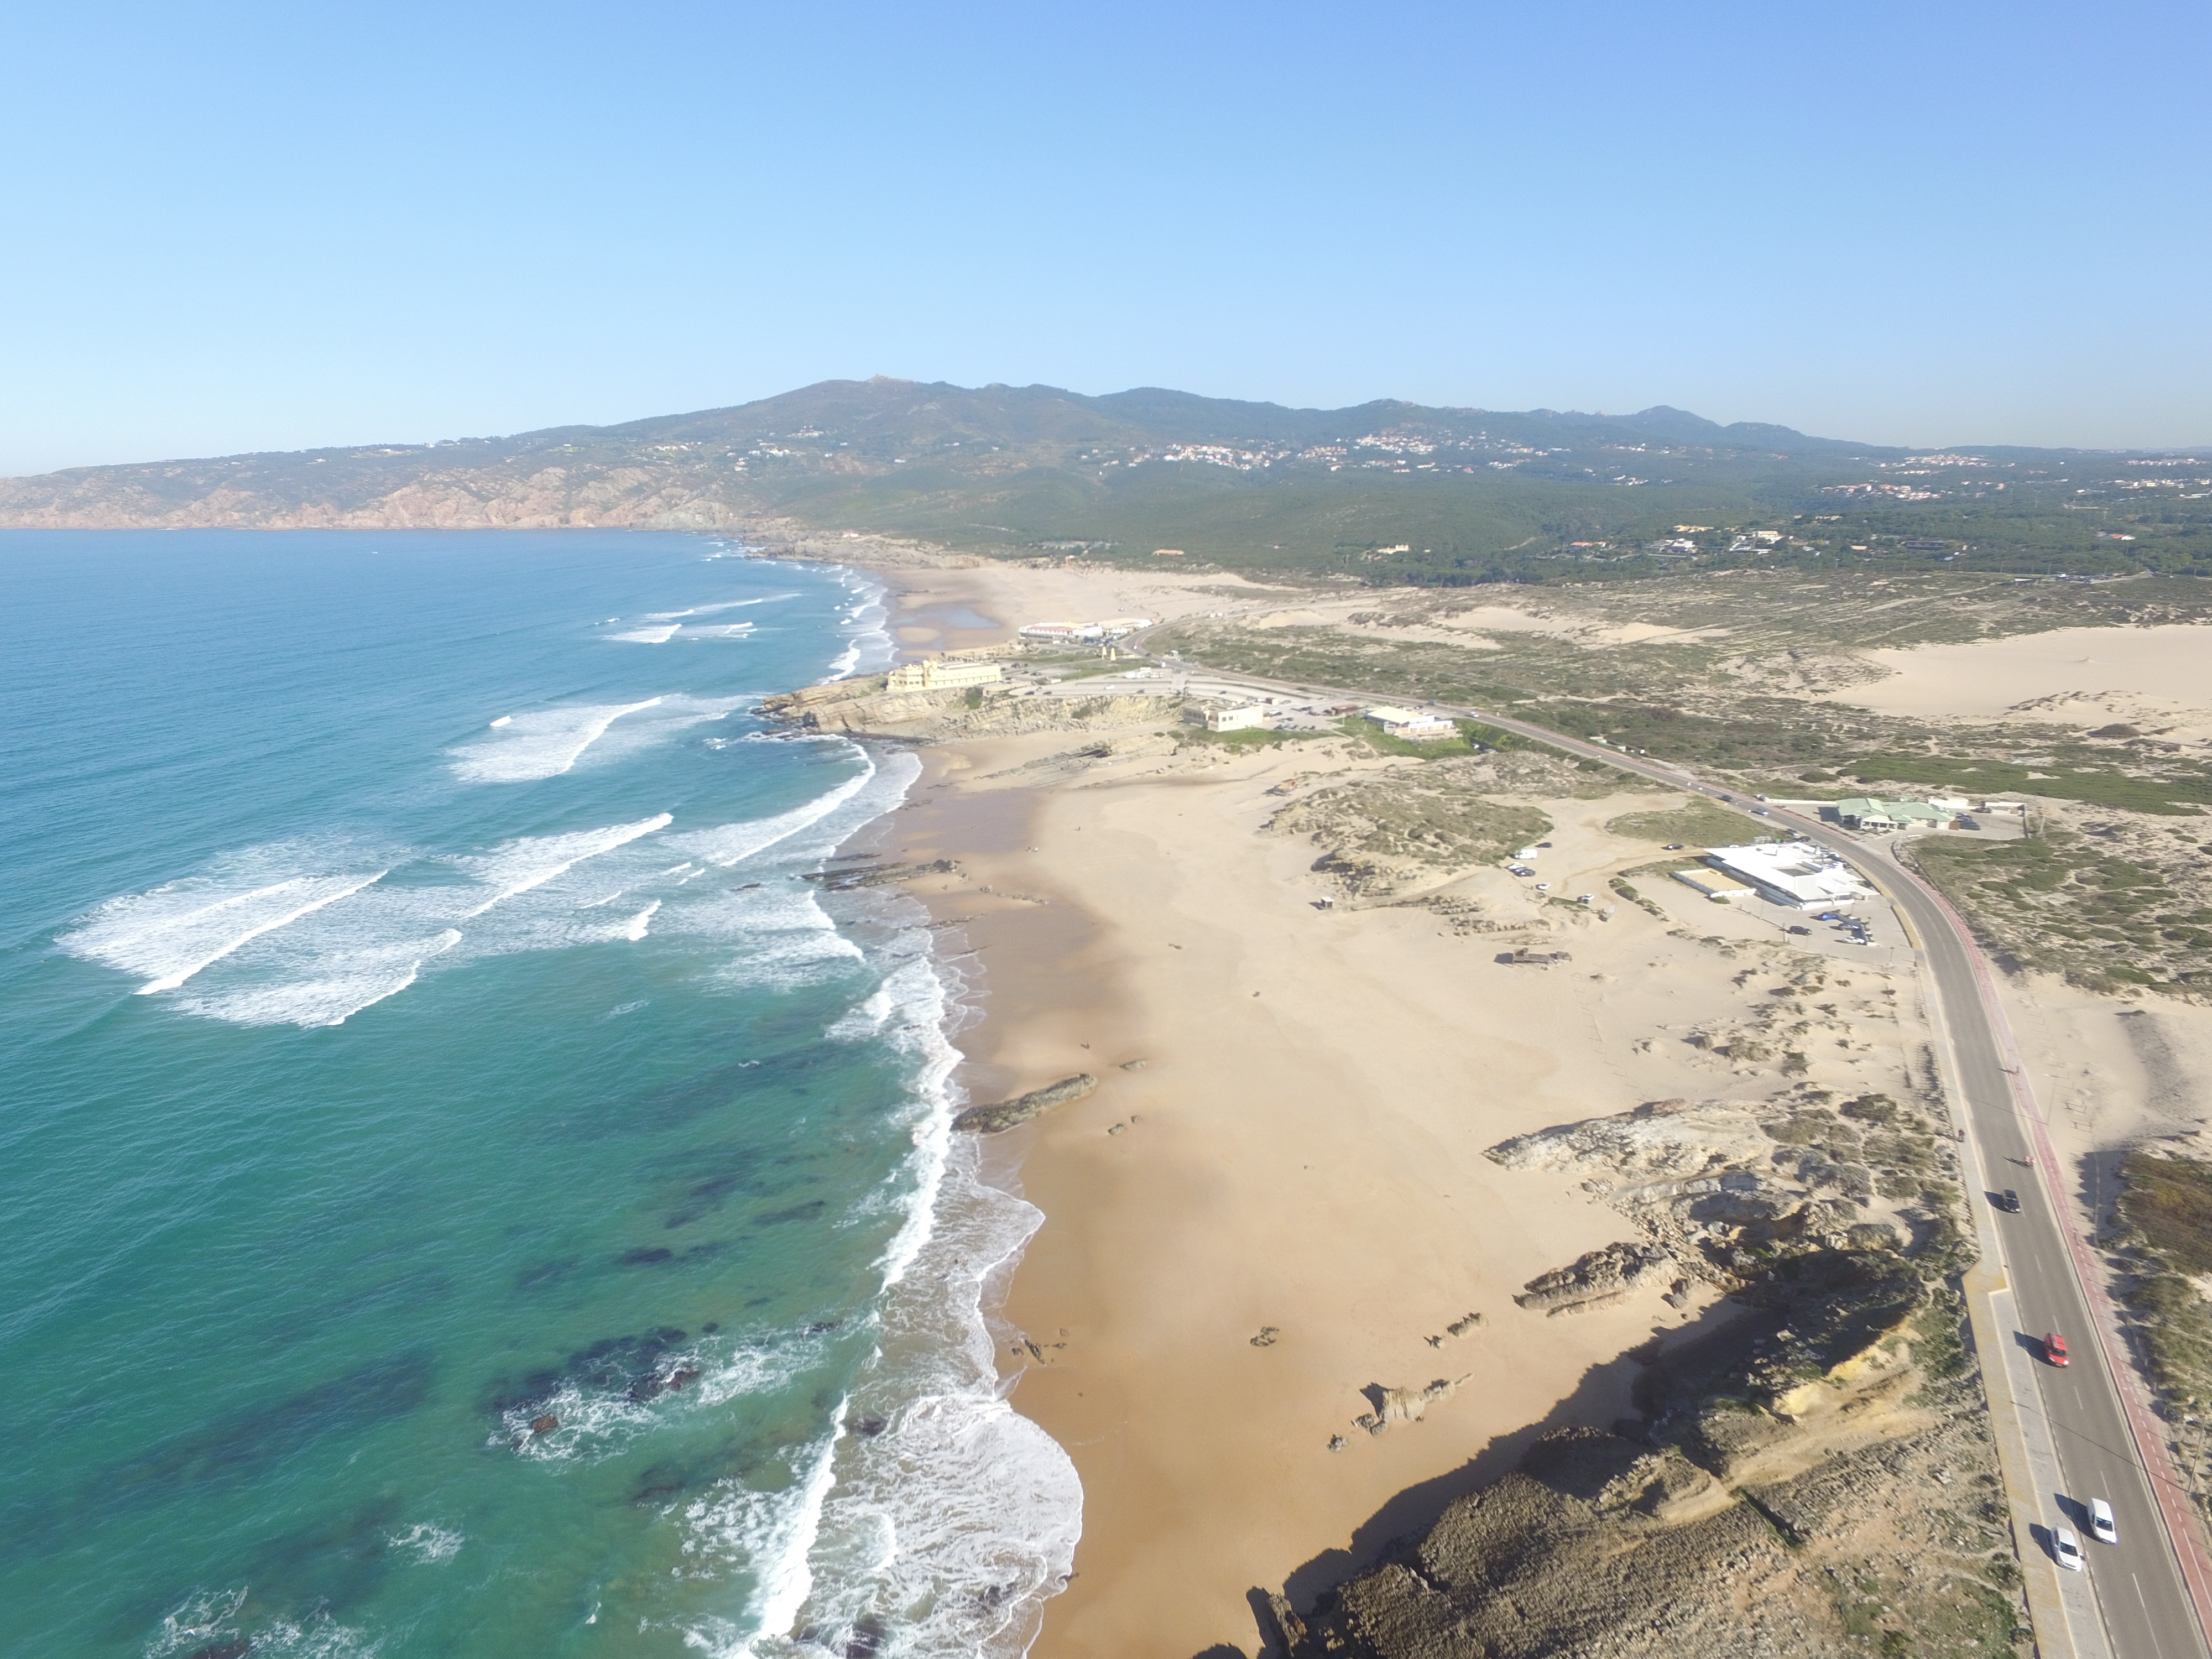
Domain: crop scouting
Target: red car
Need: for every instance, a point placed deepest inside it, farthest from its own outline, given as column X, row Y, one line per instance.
column 2054, row 1348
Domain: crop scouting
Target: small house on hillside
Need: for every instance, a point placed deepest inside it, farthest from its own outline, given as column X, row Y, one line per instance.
column 1248, row 718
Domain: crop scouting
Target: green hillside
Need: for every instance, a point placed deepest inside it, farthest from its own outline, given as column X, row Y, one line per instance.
column 1387, row 492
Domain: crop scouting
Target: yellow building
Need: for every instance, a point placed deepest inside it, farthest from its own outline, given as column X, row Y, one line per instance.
column 941, row 676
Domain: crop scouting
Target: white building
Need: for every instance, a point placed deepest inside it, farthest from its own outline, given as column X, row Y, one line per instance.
column 1247, row 719
column 937, row 675
column 1411, row 724
column 1065, row 633
column 1714, row 884
column 1795, row 873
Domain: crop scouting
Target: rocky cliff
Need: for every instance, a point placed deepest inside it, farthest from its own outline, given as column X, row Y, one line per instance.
column 1808, row 1473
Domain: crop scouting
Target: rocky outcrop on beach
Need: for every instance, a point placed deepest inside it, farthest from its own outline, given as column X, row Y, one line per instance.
column 1809, row 1471
column 863, row 707
column 1600, row 1279
column 1008, row 1114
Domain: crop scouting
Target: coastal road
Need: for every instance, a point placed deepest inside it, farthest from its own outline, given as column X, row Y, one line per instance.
column 2154, row 1590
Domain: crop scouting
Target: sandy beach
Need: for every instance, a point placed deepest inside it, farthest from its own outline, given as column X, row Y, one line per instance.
column 1277, row 1197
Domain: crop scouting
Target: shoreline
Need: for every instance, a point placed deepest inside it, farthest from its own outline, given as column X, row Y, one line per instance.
column 1285, row 1209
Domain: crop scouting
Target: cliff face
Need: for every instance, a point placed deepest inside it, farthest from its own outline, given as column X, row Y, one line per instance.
column 1811, row 1475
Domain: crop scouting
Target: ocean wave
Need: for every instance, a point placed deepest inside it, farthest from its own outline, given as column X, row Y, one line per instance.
column 658, row 634
column 541, row 745
column 531, row 861
column 865, row 623
column 176, row 931
column 311, row 933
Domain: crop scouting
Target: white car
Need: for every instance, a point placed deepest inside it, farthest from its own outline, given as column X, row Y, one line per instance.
column 2068, row 1548
column 2100, row 1522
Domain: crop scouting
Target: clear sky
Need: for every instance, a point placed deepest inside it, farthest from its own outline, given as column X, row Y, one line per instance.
column 231, row 227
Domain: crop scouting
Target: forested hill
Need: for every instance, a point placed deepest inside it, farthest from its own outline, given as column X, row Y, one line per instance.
column 1388, row 492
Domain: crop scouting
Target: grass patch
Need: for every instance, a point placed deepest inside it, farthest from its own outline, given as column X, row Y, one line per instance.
column 1702, row 822
column 2061, row 902
column 2169, row 795
column 1466, row 743
column 1381, row 831
column 1197, row 736
column 2169, row 1201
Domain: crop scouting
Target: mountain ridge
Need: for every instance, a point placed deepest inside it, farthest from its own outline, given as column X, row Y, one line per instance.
column 1451, row 494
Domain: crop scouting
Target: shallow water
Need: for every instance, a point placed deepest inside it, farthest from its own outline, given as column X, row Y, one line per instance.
column 462, row 1191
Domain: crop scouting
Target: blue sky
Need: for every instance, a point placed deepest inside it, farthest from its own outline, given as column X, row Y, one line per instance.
column 239, row 227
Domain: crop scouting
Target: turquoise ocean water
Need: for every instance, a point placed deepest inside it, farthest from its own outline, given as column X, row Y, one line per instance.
column 461, row 1193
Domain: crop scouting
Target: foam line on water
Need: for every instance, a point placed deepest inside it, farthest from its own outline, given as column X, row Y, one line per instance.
column 541, row 745
column 566, row 853
column 789, row 1578
column 171, row 981
column 732, row 843
column 659, row 634
column 634, row 930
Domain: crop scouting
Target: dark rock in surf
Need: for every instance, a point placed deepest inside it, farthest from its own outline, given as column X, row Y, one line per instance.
column 995, row 1120
column 545, row 1425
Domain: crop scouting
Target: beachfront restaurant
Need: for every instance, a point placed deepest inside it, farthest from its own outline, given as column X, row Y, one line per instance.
column 1794, row 873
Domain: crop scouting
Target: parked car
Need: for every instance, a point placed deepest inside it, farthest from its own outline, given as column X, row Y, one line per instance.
column 1672, row 847
column 2010, row 1202
column 1799, row 927
column 2068, row 1548
column 2054, row 1348
column 2100, row 1522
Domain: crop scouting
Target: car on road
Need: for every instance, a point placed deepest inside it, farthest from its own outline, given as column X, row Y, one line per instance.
column 2010, row 1202
column 1799, row 927
column 2100, row 1522
column 2054, row 1348
column 1672, row 847
column 2068, row 1548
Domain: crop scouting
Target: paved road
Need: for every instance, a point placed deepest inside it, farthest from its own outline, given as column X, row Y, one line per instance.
column 2148, row 1609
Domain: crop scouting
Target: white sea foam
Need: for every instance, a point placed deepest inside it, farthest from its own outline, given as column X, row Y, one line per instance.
column 428, row 1542
column 541, row 745
column 732, row 843
column 330, row 988
column 214, row 1618
column 519, row 865
column 658, row 634
column 176, row 931
column 716, row 630
column 866, row 623
column 315, row 894
column 634, row 929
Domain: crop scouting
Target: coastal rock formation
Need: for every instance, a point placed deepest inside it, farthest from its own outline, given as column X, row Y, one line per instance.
column 996, row 1119
column 1804, row 1478
column 1707, row 1180
column 1598, row 1278
column 1808, row 1472
column 1403, row 1405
